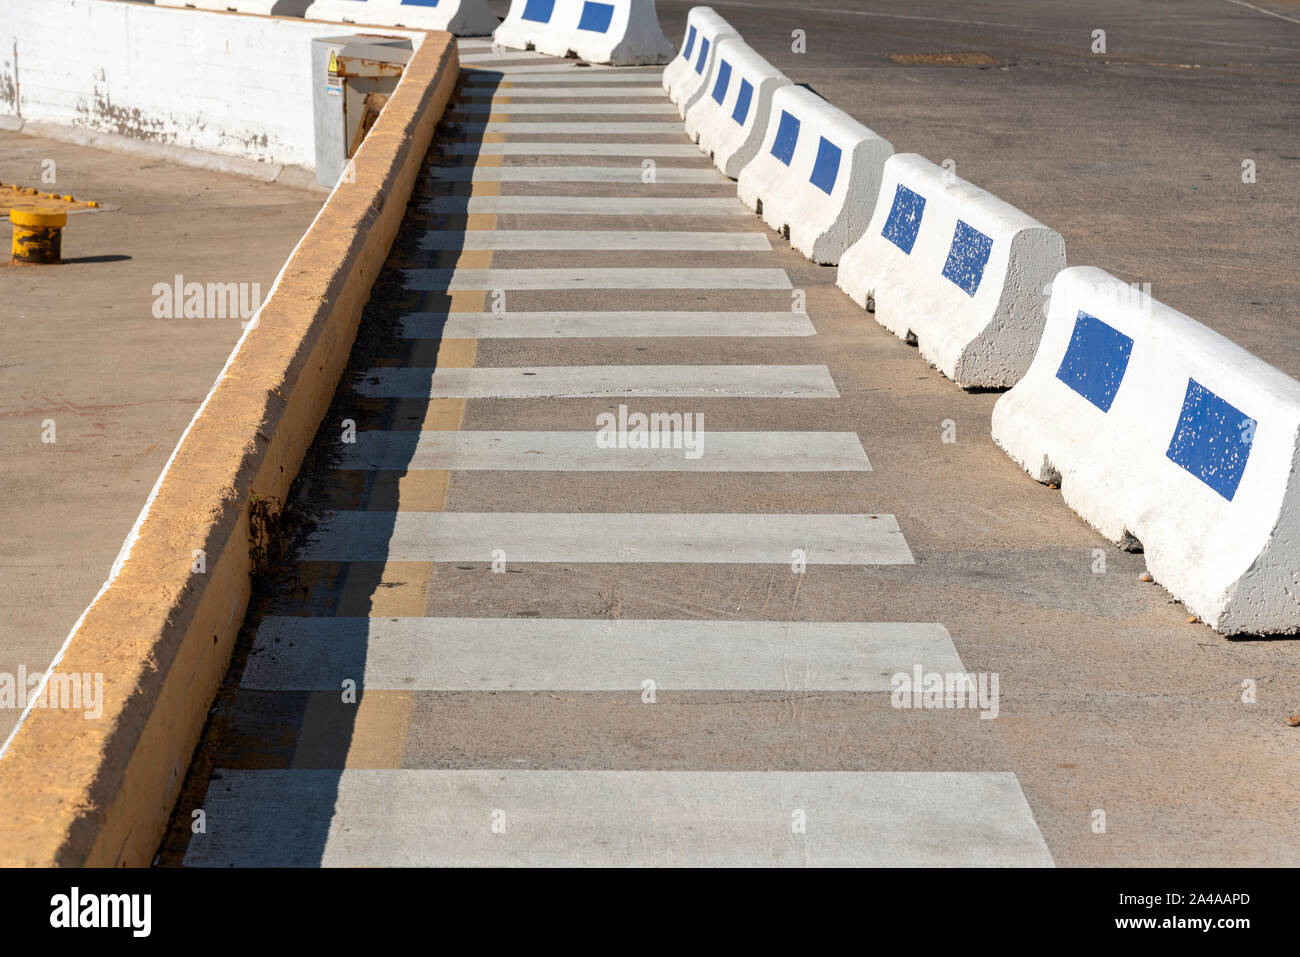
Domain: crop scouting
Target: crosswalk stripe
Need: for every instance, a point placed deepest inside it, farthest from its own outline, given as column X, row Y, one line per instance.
column 601, row 325
column 561, row 382
column 584, row 108
column 579, row 452
column 571, row 149
column 588, row 129
column 592, row 537
column 533, row 91
column 540, row 654
column 419, row 818
column 590, row 239
column 596, row 278
column 503, row 57
column 553, row 77
column 585, row 205
column 564, row 70
column 569, row 174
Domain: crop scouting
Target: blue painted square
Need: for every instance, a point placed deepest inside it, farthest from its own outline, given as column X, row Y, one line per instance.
column 690, row 43
column 787, row 135
column 704, row 55
column 539, row 11
column 596, row 17
column 419, row 3
column 720, row 87
column 904, row 220
column 1212, row 440
column 745, row 94
column 827, row 166
column 967, row 257
column 1095, row 360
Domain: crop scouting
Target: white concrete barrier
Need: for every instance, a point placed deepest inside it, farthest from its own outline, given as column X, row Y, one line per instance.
column 465, row 18
column 730, row 119
column 1159, row 429
column 616, row 32
column 955, row 269
column 816, row 176
column 149, row 78
column 685, row 76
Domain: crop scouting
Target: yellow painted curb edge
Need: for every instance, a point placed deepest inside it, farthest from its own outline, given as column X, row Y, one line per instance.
column 99, row 792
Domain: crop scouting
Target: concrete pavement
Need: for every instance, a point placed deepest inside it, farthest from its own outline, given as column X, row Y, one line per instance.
column 83, row 349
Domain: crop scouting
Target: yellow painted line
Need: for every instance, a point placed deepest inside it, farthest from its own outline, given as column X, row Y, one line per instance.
column 373, row 730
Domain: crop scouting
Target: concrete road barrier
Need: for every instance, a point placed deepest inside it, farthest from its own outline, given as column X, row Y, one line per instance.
column 1164, row 433
column 465, row 18
column 238, row 6
column 816, row 176
column 955, row 269
column 730, row 120
column 686, row 75
column 615, row 32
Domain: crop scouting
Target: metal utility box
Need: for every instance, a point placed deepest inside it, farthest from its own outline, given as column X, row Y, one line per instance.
column 352, row 78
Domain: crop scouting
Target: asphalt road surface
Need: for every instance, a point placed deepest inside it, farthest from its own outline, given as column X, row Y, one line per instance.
column 565, row 653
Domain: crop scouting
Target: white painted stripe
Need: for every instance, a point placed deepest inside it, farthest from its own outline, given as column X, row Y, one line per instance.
column 569, row 174
column 586, row 205
column 593, row 239
column 564, row 70
column 533, row 91
column 583, row 537
column 540, row 654
column 492, row 79
column 575, row 382
column 526, row 108
column 587, row 129
column 595, row 278
column 505, row 57
column 571, row 149
column 416, row 818
column 578, row 452
column 602, row 325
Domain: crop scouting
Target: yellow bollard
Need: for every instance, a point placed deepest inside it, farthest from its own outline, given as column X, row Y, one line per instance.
column 38, row 234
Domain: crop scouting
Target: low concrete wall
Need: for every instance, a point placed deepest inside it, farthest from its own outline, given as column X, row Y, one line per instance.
column 99, row 792
column 223, row 83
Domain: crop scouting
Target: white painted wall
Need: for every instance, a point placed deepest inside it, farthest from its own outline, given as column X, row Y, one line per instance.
column 219, row 82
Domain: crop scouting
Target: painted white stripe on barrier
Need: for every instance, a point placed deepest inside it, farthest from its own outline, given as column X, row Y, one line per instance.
column 487, row 280
column 816, row 176
column 438, row 818
column 603, row 325
column 567, row 174
column 540, row 654
column 956, row 269
column 584, row 205
column 575, row 382
column 1159, row 429
column 571, row 149
column 729, row 120
column 476, row 450
column 590, row 537
column 593, row 239
column 684, row 76
column 619, row 32
column 522, row 109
